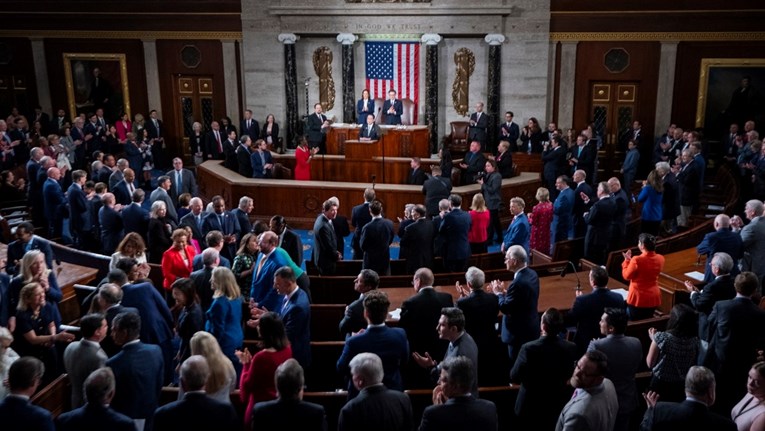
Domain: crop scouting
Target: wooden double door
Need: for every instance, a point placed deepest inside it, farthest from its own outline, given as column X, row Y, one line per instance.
column 193, row 102
column 613, row 106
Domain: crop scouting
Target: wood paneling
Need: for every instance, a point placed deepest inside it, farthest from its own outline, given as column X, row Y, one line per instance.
column 21, row 65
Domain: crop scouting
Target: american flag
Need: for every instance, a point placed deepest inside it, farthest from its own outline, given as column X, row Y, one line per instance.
column 396, row 66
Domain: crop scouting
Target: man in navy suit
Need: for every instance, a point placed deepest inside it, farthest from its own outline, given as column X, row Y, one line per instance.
column 473, row 163
column 598, row 220
column 154, row 127
column 99, row 389
column 181, row 181
column 417, row 241
column 242, row 214
column 724, row 240
column 161, row 193
column 79, row 211
column 17, row 413
column 369, row 131
column 249, row 126
column 454, row 408
column 267, row 262
column 289, row 411
column 353, row 319
column 288, row 239
column 56, row 207
column 455, row 227
column 325, row 254
column 416, row 174
column 479, row 121
column 214, row 142
column 261, row 160
column 194, row 220
column 583, row 156
column 563, row 208
column 582, row 191
column 109, row 297
column 317, row 126
column 518, row 303
column 588, row 308
column 196, row 410
column 111, row 224
column 376, row 238
column 138, row 372
column 26, row 240
column 481, row 309
column 519, row 230
column 224, row 222
column 393, row 109
column 123, row 191
column 389, row 344
column 510, row 131
column 135, row 218
column 719, row 289
column 360, row 216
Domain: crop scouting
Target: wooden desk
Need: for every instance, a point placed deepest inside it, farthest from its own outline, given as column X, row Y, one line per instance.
column 67, row 275
column 672, row 278
column 362, row 150
column 402, row 141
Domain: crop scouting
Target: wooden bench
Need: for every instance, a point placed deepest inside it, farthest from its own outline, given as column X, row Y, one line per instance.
column 56, row 397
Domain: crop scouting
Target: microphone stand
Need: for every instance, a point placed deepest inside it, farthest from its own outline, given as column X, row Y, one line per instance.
column 563, row 274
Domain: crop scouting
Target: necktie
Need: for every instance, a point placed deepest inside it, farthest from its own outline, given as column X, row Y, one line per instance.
column 199, row 222
column 248, row 124
column 477, row 117
column 217, row 139
column 178, row 182
column 369, row 131
column 262, row 161
column 260, row 265
column 131, row 189
column 222, row 225
column 284, row 304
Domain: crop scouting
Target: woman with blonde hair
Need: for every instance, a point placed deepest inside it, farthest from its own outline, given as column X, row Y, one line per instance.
column 7, row 357
column 222, row 379
column 138, row 124
column 479, row 217
column 224, row 318
column 540, row 219
column 33, row 269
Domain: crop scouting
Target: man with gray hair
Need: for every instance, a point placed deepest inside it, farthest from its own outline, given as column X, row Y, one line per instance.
column 480, row 309
column 753, row 239
column 181, row 181
column 691, row 414
column 117, row 175
column 376, row 407
column 242, row 214
column 194, row 220
column 719, row 289
column 202, row 277
column 688, row 178
column 196, row 410
column 96, row 414
column 722, row 240
column 109, row 299
column 289, row 411
column 670, row 198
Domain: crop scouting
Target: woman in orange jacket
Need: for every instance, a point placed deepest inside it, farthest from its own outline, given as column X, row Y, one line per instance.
column 642, row 271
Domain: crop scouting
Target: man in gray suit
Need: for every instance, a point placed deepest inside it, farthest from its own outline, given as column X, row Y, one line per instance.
column 85, row 356
column 161, row 194
column 625, row 354
column 753, row 237
column 594, row 405
column 181, row 181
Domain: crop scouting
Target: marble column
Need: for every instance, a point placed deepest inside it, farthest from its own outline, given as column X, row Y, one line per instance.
column 565, row 118
column 152, row 75
column 349, row 103
column 290, row 84
column 666, row 87
column 431, row 41
column 41, row 76
column 495, row 42
column 231, row 88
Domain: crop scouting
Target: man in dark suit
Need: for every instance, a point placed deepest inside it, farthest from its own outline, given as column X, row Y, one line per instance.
column 360, row 216
column 554, row 161
column 161, row 193
column 542, row 369
column 734, row 345
column 288, row 239
column 109, row 297
column 155, row 128
column 376, row 238
column 194, row 220
column 510, row 131
column 249, row 126
column 688, row 178
column 435, row 188
column 598, row 220
column 719, row 289
column 581, row 191
column 389, row 344
column 518, row 303
column 670, row 198
column 454, row 407
column 419, row 318
column 214, row 142
column 724, row 240
column 196, row 410
column 123, row 191
column 479, row 122
column 622, row 215
column 135, row 218
column 691, row 414
column 417, row 241
column 111, row 224
column 370, row 131
column 481, row 309
column 583, row 156
column 416, row 174
column 201, row 277
column 289, row 411
column 317, row 125
column 472, row 164
column 56, row 205
column 325, row 254
column 454, row 228
column 85, row 356
column 138, row 371
column 353, row 319
column 563, row 210
column 242, row 214
column 376, row 407
column 243, row 156
column 588, row 308
column 99, row 388
column 393, row 109
column 224, row 222
column 17, row 413
column 97, row 134
column 181, row 181
column 229, row 151
column 261, row 160
column 26, row 240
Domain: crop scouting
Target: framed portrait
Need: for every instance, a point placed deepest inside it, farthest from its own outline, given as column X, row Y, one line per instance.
column 730, row 90
column 96, row 81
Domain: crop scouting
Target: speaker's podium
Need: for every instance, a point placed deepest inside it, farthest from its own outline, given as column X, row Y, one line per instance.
column 395, row 141
column 357, row 149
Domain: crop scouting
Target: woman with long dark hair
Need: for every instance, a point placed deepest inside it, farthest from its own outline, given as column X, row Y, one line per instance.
column 673, row 352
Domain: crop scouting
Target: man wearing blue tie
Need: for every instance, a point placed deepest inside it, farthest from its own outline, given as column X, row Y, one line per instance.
column 369, row 131
column 393, row 109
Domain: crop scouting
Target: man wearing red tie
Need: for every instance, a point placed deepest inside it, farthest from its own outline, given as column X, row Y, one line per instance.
column 214, row 143
column 318, row 125
column 393, row 109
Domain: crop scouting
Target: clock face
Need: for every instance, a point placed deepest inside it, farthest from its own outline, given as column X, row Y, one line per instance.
column 616, row 60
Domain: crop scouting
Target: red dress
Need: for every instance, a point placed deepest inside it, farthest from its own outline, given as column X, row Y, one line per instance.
column 540, row 220
column 478, row 233
column 302, row 165
column 173, row 266
column 257, row 381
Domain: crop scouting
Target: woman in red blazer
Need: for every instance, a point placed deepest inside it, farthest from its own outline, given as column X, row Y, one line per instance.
column 176, row 261
column 642, row 271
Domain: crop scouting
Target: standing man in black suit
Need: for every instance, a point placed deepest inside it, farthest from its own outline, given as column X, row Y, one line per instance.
column 417, row 241
column 26, row 240
column 376, row 408
column 416, row 174
column 289, row 411
column 369, row 131
column 393, row 109
column 472, row 164
column 454, row 407
column 376, row 238
column 196, row 410
column 454, row 228
column 435, row 188
column 213, row 143
column 510, row 132
column 156, row 132
column 353, row 319
column 581, row 191
column 583, row 156
column 554, row 161
column 360, row 216
column 242, row 214
column 318, row 126
column 622, row 215
column 721, row 288
column 225, row 222
column 688, row 180
column 244, row 156
column 99, row 388
column 16, row 411
column 479, row 121
column 249, row 126
column 325, row 254
column 481, row 309
column 111, row 224
column 79, row 214
column 598, row 220
column 181, row 181
column 288, row 239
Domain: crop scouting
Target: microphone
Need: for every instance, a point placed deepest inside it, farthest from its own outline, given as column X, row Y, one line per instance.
column 379, row 109
column 563, row 274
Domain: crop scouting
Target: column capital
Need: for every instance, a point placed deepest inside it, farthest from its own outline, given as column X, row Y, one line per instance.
column 287, row 38
column 431, row 38
column 495, row 39
column 347, row 38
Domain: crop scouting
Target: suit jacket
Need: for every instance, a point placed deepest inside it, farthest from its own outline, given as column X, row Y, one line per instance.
column 598, row 236
column 481, row 310
column 510, row 132
column 274, row 134
column 314, row 135
column 253, row 131
column 753, row 240
column 114, row 178
column 212, row 149
column 289, row 415
column 201, row 279
column 455, row 228
column 229, row 155
column 156, row 320
column 262, row 290
column 296, row 315
column 377, row 408
column 79, row 216
column 586, row 312
column 520, row 320
column 624, row 358
column 293, row 245
column 135, row 219
column 722, row 240
column 478, row 131
column 160, row 194
column 196, row 411
column 94, row 417
column 244, row 164
column 230, row 226
column 121, row 193
column 733, row 344
column 554, row 160
column 563, row 214
column 376, row 238
column 398, row 107
column 244, row 221
column 188, row 184
column 580, row 226
column 154, row 131
column 134, row 156
column 324, row 254
column 417, row 242
column 258, row 161
column 460, row 413
column 691, row 415
column 373, row 134
column 138, row 373
column 543, row 369
column 719, row 289
column 642, row 272
column 492, row 190
column 360, row 216
column 17, row 250
column 585, row 158
column 505, row 164
column 390, row 344
column 670, row 198
column 5, row 299
column 111, row 229
column 80, row 359
column 108, row 344
column 435, row 188
column 196, row 228
column 688, row 179
column 20, row 414
column 419, row 317
column 416, row 177
column 353, row 318
column 362, row 113
column 518, row 232
column 594, row 409
column 54, row 200
column 476, row 162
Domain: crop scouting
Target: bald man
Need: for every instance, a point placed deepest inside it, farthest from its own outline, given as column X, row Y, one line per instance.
column 723, row 239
